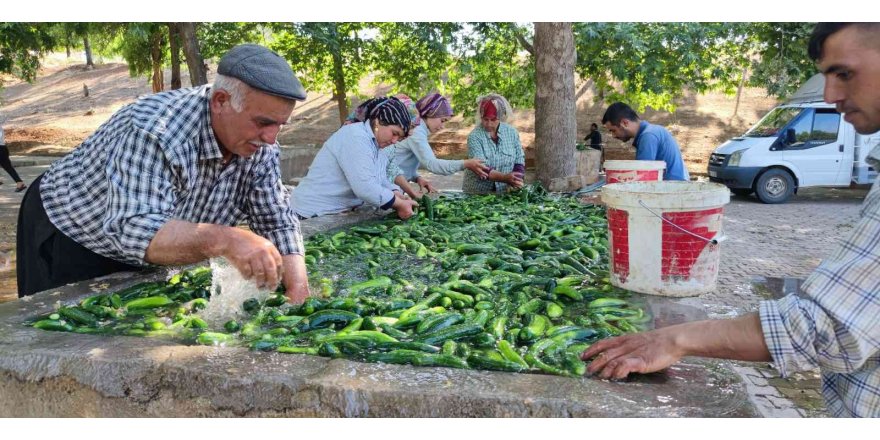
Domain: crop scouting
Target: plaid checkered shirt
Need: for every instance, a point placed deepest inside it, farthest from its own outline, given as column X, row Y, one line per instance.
column 501, row 157
column 835, row 323
column 155, row 160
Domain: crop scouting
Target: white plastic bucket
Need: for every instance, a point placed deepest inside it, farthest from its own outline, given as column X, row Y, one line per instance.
column 617, row 171
column 664, row 236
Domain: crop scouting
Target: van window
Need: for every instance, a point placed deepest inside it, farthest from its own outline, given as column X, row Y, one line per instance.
column 825, row 125
column 814, row 127
column 770, row 124
column 802, row 127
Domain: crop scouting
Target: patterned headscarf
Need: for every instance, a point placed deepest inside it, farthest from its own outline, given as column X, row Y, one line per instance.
column 493, row 103
column 415, row 120
column 434, row 105
column 389, row 111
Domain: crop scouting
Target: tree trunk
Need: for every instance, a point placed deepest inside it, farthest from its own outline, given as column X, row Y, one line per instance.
column 174, row 47
column 555, row 119
column 739, row 92
column 158, row 78
column 89, row 63
column 339, row 91
column 67, row 43
column 198, row 73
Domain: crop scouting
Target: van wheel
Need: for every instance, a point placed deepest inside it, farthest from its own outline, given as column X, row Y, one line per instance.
column 742, row 192
column 775, row 186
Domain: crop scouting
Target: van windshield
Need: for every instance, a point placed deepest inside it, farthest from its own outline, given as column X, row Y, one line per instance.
column 774, row 121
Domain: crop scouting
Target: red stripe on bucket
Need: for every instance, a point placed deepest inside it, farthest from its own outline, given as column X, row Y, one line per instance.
column 615, row 176
column 618, row 226
column 681, row 250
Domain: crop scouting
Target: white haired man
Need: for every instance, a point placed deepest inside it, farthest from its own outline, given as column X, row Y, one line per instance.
column 166, row 180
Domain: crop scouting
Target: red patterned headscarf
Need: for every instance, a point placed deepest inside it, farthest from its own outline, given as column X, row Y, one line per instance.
column 493, row 106
column 488, row 109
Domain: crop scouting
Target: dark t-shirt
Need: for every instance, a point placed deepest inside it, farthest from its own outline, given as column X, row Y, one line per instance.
column 595, row 139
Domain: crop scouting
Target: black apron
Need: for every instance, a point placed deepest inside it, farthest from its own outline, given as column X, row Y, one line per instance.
column 46, row 258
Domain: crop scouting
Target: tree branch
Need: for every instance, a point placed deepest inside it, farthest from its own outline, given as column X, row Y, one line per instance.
column 524, row 43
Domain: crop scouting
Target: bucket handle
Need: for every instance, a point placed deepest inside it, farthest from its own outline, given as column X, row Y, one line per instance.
column 713, row 241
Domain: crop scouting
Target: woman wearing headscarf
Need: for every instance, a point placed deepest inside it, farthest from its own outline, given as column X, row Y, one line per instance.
column 350, row 171
column 497, row 144
column 433, row 111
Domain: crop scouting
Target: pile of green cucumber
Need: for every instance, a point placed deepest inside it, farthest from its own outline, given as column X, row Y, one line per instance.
column 515, row 282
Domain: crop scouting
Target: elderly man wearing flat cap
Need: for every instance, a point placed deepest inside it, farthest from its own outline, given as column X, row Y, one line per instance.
column 166, row 180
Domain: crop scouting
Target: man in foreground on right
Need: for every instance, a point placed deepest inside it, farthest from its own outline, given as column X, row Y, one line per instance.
column 834, row 324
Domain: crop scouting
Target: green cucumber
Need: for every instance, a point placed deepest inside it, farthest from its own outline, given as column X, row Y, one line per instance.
column 465, row 286
column 510, row 353
column 448, row 348
column 326, row 318
column 407, row 345
column 532, row 306
column 232, row 326
column 470, row 249
column 213, row 338
column 297, row 350
column 456, row 296
column 569, row 292
column 438, row 322
column 79, row 316
column 375, row 283
column 554, row 310
column 498, row 326
column 484, row 362
column 450, row 333
column 150, row 302
column 53, row 325
column 606, row 302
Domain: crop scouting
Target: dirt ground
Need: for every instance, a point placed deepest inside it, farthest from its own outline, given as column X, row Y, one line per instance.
column 53, row 115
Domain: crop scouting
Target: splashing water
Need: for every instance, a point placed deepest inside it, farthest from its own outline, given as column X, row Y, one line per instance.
column 228, row 290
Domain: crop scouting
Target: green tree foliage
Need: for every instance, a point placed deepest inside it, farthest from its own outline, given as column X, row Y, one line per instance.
column 22, row 45
column 645, row 64
column 780, row 62
column 493, row 57
column 652, row 64
column 134, row 43
column 327, row 56
column 215, row 39
column 413, row 57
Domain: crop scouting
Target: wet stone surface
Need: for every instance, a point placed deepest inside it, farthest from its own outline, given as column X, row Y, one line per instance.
column 60, row 374
column 134, row 372
column 43, row 373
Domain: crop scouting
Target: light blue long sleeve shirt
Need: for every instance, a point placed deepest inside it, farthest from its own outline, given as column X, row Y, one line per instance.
column 414, row 151
column 654, row 142
column 347, row 172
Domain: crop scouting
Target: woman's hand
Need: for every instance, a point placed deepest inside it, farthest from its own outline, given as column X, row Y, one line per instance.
column 477, row 167
column 404, row 206
column 514, row 179
column 426, row 185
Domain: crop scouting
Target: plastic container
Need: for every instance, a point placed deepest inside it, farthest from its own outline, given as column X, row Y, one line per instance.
column 618, row 171
column 665, row 237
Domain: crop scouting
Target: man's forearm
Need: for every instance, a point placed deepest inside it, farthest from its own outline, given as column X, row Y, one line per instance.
column 294, row 277
column 739, row 338
column 181, row 242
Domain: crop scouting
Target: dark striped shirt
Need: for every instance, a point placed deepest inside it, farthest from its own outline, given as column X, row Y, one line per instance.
column 155, row 160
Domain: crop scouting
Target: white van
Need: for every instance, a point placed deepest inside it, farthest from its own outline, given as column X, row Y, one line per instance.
column 804, row 142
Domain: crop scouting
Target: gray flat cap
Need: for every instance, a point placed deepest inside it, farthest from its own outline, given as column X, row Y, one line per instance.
column 263, row 70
